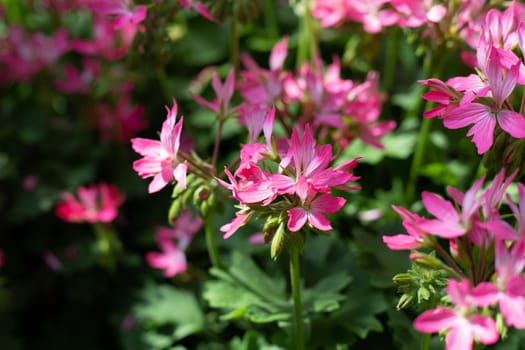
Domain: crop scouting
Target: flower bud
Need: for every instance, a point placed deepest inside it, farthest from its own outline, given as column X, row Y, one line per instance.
column 278, row 241
column 425, row 260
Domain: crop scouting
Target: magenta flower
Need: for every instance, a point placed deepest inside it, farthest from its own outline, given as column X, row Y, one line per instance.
column 262, row 86
column 160, row 159
column 95, row 203
column 173, row 243
column 224, row 93
column 76, row 81
column 123, row 121
column 502, row 81
column 509, row 287
column 312, row 211
column 199, row 7
column 415, row 236
column 463, row 325
column 123, row 10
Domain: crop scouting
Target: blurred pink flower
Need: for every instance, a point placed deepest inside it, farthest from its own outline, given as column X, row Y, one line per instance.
column 107, row 42
column 462, row 323
column 173, row 243
column 95, row 203
column 52, row 261
column 76, row 81
column 123, row 121
column 160, row 158
column 199, row 7
column 223, row 93
column 125, row 13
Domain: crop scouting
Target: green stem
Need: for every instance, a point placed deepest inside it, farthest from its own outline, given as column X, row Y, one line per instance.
column 391, row 60
column 211, row 243
column 217, row 144
column 296, row 292
column 417, row 161
column 270, row 18
column 307, row 45
column 234, row 50
column 425, row 341
column 164, row 83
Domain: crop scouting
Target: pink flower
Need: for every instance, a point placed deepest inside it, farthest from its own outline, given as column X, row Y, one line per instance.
column 107, row 42
column 78, row 81
column 415, row 13
column 262, row 86
column 160, row 159
column 123, row 121
column 52, row 261
column 123, row 11
column 312, row 211
column 199, row 7
column 463, row 325
column 502, row 82
column 173, row 243
column 415, row 236
column 95, row 203
column 224, row 93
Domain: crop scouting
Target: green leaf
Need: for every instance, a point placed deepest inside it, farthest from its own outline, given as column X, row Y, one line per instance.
column 325, row 296
column 164, row 305
column 246, row 291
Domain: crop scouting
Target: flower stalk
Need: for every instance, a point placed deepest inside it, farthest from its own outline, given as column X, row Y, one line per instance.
column 296, row 293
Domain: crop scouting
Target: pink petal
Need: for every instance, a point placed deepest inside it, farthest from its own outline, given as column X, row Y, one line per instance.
column 484, row 329
column 296, row 219
column 439, row 207
column 435, row 320
column 512, row 122
column 465, row 115
column 319, row 221
column 401, row 242
column 460, row 337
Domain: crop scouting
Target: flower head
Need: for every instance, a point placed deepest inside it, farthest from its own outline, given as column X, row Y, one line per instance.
column 95, row 203
column 160, row 159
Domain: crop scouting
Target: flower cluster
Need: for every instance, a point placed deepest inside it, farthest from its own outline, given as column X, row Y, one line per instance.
column 289, row 184
column 484, row 100
column 92, row 204
column 339, row 109
column 374, row 15
column 485, row 262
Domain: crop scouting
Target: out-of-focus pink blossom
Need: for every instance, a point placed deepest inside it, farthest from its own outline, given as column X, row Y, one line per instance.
column 160, row 158
column 52, row 261
column 464, row 326
column 173, row 243
column 76, row 81
column 123, row 121
column 29, row 182
column 262, row 86
column 24, row 54
column 223, row 92
column 95, row 203
column 107, row 42
column 199, row 7
column 125, row 13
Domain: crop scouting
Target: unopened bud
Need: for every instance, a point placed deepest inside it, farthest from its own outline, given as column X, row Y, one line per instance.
column 403, row 279
column 425, row 260
column 278, row 241
column 269, row 229
column 175, row 210
column 404, row 301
